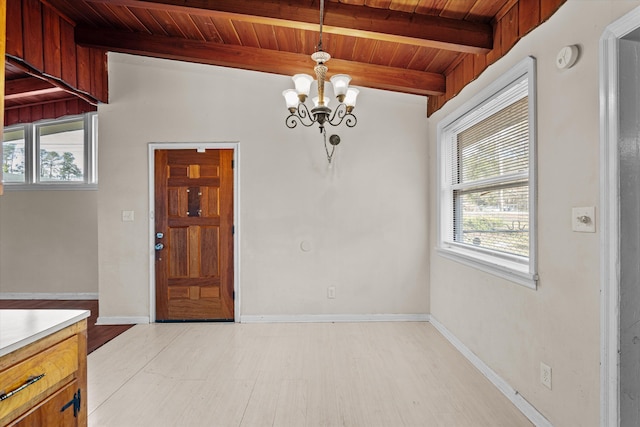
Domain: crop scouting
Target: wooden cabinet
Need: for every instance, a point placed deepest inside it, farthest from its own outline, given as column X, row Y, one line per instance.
column 44, row 383
column 50, row 413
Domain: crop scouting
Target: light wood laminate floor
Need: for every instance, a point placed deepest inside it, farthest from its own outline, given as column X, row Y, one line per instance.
column 343, row 374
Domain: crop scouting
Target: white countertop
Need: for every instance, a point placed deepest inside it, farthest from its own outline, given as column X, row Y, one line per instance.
column 19, row 328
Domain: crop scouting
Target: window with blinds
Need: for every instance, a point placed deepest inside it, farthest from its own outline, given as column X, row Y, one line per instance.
column 486, row 161
column 491, row 197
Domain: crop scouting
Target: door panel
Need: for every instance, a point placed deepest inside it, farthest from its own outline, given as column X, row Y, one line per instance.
column 194, row 213
column 50, row 413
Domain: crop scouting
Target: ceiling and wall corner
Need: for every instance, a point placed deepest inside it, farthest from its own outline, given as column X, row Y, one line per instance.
column 56, row 48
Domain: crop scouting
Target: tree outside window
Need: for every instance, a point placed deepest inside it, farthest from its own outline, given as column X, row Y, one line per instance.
column 51, row 152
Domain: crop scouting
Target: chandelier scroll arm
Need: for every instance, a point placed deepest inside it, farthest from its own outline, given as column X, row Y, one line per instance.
column 351, row 120
column 300, row 115
column 342, row 113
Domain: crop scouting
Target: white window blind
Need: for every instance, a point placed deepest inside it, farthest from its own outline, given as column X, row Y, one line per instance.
column 490, row 190
column 486, row 213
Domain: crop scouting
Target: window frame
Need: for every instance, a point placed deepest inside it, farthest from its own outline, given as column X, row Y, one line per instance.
column 32, row 158
column 521, row 270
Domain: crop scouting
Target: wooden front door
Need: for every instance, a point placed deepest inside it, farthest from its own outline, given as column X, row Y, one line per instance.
column 194, row 235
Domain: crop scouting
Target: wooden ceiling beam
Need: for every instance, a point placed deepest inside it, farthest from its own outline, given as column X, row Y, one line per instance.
column 26, row 87
column 256, row 59
column 341, row 19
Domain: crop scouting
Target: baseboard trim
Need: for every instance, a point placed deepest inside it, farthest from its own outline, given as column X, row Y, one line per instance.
column 527, row 409
column 333, row 318
column 116, row 320
column 49, row 295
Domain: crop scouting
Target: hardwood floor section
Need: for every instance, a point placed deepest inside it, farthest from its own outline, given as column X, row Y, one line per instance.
column 291, row 375
column 97, row 335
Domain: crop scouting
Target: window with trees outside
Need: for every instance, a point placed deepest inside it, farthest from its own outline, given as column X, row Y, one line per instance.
column 487, row 179
column 51, row 154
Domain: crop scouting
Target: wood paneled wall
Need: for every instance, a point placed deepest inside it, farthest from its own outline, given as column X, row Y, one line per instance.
column 512, row 23
column 42, row 41
column 50, row 110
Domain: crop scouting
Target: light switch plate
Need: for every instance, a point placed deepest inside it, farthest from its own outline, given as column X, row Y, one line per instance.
column 583, row 219
column 127, row 216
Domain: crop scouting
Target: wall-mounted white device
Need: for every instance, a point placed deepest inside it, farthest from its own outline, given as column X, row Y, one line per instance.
column 567, row 56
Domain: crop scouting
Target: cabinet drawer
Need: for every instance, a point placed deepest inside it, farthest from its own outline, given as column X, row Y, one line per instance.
column 56, row 363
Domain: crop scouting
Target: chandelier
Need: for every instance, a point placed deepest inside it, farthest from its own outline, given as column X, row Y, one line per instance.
column 321, row 113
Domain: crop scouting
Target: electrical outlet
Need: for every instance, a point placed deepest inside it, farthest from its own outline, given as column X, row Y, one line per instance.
column 545, row 375
column 331, row 292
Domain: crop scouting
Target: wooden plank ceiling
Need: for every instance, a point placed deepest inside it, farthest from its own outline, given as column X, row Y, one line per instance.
column 424, row 47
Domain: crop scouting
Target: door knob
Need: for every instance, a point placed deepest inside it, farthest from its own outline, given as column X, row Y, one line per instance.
column 159, row 235
column 159, row 246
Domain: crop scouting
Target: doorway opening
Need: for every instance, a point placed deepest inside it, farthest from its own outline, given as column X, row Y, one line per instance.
column 620, row 221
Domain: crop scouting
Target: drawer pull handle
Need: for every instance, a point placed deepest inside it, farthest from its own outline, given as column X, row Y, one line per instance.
column 26, row 384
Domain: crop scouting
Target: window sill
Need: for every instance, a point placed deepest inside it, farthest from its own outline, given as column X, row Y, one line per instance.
column 46, row 187
column 506, row 269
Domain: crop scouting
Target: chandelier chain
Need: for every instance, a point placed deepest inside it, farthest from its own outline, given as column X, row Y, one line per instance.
column 321, row 22
column 326, row 149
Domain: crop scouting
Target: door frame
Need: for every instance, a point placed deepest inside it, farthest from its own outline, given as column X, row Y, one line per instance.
column 233, row 145
column 609, row 217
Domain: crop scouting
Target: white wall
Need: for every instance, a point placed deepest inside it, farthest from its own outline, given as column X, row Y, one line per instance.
column 366, row 219
column 49, row 242
column 512, row 328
